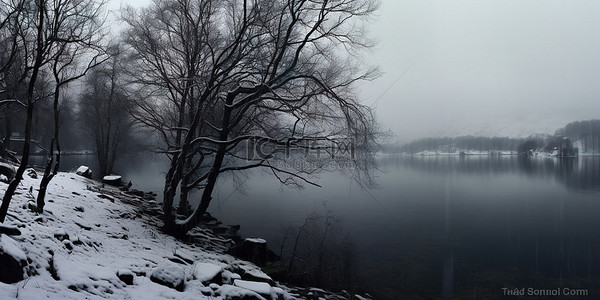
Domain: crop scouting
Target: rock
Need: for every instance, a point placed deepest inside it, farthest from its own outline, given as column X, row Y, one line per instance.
column 61, row 235
column 184, row 255
column 169, row 274
column 31, row 173
column 261, row 288
column 177, row 260
column 12, row 260
column 83, row 226
column 136, row 192
column 231, row 292
column 149, row 196
column 251, row 249
column 107, row 197
column 32, row 206
column 126, row 276
column 256, row 275
column 126, row 188
column 8, row 171
column 9, row 230
column 208, row 273
column 228, row 277
column 112, row 180
column 68, row 244
column 84, row 171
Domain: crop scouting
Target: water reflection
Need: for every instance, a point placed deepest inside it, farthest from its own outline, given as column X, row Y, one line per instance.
column 580, row 174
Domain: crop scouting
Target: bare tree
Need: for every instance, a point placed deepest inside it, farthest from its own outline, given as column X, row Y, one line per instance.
column 44, row 32
column 77, row 30
column 104, row 109
column 223, row 76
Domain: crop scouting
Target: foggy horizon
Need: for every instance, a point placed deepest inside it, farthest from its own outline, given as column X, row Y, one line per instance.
column 494, row 68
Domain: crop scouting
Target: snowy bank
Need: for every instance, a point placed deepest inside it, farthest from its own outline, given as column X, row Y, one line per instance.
column 96, row 242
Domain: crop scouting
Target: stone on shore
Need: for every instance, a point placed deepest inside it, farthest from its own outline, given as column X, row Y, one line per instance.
column 126, row 276
column 84, row 171
column 169, row 274
column 112, row 180
column 12, row 260
column 208, row 273
column 8, row 171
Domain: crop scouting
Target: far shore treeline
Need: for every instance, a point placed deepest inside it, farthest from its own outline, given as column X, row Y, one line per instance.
column 583, row 135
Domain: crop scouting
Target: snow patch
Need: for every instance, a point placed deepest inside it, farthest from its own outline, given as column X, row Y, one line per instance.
column 12, row 248
column 206, row 272
column 259, row 287
column 256, row 240
column 169, row 274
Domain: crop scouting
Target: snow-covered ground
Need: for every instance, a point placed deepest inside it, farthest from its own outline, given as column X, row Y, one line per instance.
column 96, row 242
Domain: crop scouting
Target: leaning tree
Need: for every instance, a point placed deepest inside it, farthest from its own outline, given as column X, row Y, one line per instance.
column 242, row 84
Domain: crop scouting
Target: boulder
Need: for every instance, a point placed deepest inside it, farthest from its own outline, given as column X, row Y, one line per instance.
column 12, row 260
column 253, row 274
column 126, row 276
column 169, row 274
column 9, row 230
column 8, row 171
column 232, row 292
column 84, row 171
column 31, row 173
column 112, row 180
column 61, row 235
column 261, row 288
column 208, row 273
column 251, row 249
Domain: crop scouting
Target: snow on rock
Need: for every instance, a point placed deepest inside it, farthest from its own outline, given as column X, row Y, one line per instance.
column 112, row 180
column 169, row 274
column 31, row 173
column 252, row 273
column 61, row 235
column 12, row 260
column 251, row 249
column 228, row 277
column 12, row 248
column 126, row 276
column 8, row 171
column 256, row 240
column 259, row 287
column 9, row 229
column 184, row 255
column 84, row 171
column 233, row 292
column 208, row 273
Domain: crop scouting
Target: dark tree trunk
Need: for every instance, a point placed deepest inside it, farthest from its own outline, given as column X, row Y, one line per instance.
column 53, row 163
column 181, row 228
column 12, row 187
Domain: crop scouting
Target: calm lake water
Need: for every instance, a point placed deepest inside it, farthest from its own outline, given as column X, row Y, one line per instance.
column 441, row 227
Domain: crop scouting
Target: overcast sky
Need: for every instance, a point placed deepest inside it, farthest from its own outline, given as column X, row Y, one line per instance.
column 497, row 67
